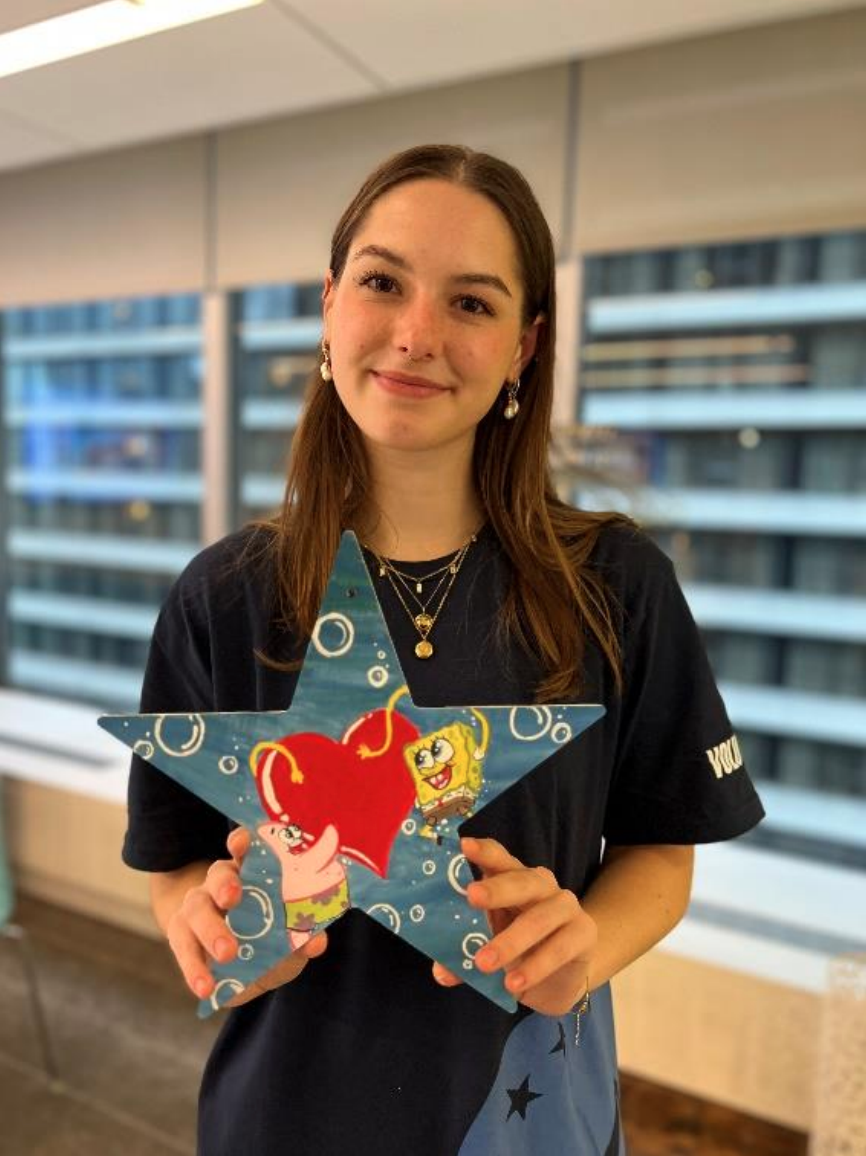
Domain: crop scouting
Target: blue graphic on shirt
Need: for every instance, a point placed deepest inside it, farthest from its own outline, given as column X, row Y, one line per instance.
column 551, row 1096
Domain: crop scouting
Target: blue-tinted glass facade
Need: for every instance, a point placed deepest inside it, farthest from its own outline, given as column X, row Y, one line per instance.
column 277, row 338
column 730, row 384
column 102, row 478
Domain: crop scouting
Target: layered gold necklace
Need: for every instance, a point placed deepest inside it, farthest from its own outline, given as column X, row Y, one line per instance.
column 409, row 588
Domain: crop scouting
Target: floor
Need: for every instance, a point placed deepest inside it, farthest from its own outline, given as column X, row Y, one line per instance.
column 128, row 1051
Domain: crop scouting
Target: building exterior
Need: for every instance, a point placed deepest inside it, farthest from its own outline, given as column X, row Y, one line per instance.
column 732, row 378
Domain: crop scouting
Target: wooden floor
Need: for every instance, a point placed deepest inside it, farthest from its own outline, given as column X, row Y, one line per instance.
column 116, row 1005
column 662, row 1122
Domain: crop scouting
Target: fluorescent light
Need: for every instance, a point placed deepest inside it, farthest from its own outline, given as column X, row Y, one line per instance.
column 101, row 26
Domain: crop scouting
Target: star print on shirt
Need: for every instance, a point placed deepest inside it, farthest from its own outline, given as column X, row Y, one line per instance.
column 521, row 1098
column 559, row 1046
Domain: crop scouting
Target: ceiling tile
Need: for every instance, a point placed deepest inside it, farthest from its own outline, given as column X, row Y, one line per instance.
column 17, row 13
column 244, row 66
column 288, row 56
column 413, row 45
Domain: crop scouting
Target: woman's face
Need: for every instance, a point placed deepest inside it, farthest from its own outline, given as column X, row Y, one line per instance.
column 426, row 321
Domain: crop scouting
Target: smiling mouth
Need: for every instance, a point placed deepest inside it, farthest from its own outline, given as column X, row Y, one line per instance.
column 407, row 385
column 440, row 780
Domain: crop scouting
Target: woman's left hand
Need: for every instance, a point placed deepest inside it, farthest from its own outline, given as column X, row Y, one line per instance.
column 542, row 938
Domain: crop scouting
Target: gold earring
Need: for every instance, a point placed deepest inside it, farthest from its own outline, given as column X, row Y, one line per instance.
column 512, row 405
column 325, row 367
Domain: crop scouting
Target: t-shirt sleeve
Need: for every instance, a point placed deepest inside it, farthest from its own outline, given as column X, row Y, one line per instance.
column 679, row 775
column 168, row 826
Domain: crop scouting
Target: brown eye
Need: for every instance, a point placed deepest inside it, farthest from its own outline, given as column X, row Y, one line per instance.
column 475, row 306
column 378, row 282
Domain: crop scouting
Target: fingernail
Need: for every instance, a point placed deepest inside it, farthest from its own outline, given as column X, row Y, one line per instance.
column 487, row 957
column 469, row 844
column 223, row 948
column 516, row 981
column 202, row 987
column 227, row 896
column 476, row 893
column 438, row 973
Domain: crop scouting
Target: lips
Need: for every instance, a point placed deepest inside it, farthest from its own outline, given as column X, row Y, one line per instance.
column 408, row 384
column 440, row 780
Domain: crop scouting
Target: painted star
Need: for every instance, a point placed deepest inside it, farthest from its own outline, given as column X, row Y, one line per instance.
column 521, row 1098
column 353, row 794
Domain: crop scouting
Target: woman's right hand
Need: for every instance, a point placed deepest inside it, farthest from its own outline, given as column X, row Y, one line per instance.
column 197, row 930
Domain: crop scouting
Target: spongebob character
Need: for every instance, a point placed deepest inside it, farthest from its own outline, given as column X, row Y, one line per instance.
column 445, row 766
column 447, row 771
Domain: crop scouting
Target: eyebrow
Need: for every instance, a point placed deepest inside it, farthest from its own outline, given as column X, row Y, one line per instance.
column 488, row 279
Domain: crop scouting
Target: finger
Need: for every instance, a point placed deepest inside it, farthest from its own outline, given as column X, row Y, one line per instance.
column 512, row 889
column 557, row 952
column 223, row 883
column 207, row 923
column 190, row 956
column 238, row 844
column 489, row 855
column 445, row 976
column 315, row 946
column 531, row 928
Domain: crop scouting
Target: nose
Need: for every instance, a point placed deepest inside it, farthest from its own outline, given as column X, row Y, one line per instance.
column 419, row 329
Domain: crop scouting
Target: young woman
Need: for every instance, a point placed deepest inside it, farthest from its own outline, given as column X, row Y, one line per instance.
column 426, row 433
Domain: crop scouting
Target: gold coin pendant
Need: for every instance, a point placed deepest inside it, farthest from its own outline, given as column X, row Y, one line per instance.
column 423, row 621
column 423, row 649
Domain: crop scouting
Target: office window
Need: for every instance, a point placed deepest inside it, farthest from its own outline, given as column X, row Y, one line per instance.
column 738, row 374
column 748, row 658
column 277, row 335
column 734, row 559
column 102, row 464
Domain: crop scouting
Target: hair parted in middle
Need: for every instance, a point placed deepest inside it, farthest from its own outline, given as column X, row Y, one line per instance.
column 555, row 596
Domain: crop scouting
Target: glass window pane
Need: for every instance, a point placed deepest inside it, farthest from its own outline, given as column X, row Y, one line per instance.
column 736, row 374
column 276, row 350
column 102, row 460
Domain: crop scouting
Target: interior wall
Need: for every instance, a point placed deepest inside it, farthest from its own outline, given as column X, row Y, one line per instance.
column 256, row 203
column 748, row 134
column 65, row 849
column 721, row 1035
column 125, row 222
column 282, row 185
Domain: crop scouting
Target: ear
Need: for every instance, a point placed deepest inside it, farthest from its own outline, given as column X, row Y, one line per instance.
column 526, row 349
column 328, row 288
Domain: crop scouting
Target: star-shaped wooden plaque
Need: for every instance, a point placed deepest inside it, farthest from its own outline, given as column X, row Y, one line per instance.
column 354, row 794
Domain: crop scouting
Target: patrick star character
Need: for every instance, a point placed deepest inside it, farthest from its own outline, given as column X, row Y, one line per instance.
column 314, row 886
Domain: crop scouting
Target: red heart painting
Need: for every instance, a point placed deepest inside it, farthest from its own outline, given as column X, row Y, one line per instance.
column 360, row 784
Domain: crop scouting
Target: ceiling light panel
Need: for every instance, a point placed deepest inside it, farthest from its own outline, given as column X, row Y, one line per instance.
column 102, row 26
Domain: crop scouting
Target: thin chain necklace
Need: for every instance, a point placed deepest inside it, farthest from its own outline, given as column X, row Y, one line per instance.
column 426, row 619
column 419, row 580
column 413, row 589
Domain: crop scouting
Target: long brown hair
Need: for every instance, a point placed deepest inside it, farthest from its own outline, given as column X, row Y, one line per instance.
column 556, row 598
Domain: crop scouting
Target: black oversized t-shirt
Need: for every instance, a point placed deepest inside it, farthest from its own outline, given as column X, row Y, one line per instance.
column 364, row 1052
